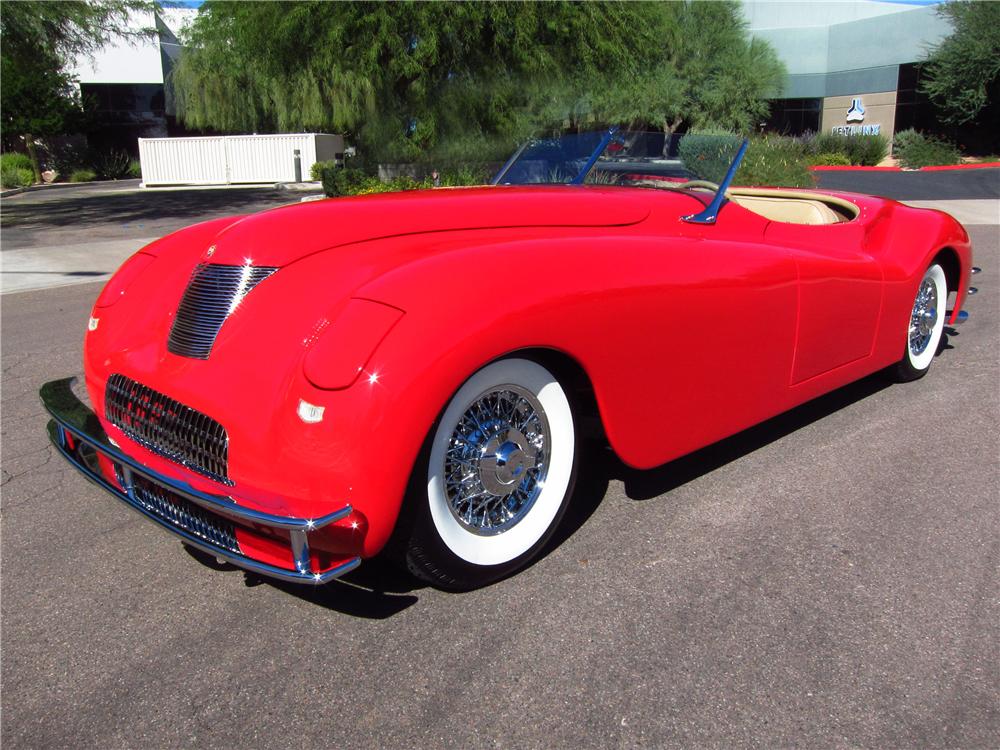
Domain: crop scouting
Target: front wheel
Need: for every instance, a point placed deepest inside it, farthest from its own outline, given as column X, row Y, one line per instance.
column 494, row 478
column 926, row 325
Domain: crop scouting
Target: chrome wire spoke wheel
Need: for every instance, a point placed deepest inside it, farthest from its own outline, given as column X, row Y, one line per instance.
column 500, row 470
column 925, row 326
column 924, row 317
column 497, row 460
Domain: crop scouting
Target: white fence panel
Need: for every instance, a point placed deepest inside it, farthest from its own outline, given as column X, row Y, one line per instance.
column 234, row 158
column 191, row 161
column 268, row 158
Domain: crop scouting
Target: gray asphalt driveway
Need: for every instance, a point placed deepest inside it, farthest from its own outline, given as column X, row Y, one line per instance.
column 828, row 579
column 68, row 235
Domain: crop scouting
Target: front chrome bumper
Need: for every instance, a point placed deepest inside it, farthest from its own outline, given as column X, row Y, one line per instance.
column 76, row 432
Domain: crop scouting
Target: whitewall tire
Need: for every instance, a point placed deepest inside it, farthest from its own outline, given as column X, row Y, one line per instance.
column 925, row 325
column 495, row 476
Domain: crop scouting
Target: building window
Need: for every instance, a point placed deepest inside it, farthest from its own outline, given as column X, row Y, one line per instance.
column 794, row 116
column 124, row 102
column 913, row 107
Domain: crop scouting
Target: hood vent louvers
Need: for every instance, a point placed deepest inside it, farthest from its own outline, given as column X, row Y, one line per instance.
column 212, row 295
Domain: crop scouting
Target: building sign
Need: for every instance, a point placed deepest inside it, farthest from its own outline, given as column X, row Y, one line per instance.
column 857, row 129
column 856, row 113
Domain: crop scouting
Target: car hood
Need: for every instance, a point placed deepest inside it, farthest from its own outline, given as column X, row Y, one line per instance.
column 284, row 235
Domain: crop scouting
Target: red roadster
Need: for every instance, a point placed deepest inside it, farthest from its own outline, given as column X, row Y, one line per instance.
column 296, row 390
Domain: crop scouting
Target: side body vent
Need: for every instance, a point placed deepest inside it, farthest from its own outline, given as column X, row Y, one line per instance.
column 212, row 295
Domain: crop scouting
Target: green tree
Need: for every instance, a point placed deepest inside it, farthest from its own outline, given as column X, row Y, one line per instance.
column 408, row 79
column 38, row 40
column 963, row 73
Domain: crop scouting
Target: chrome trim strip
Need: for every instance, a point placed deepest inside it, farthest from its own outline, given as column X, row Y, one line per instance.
column 71, row 416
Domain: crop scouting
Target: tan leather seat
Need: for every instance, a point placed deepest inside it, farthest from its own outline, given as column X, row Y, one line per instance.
column 790, row 210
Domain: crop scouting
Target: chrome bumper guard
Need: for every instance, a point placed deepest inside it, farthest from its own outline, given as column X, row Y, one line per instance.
column 71, row 417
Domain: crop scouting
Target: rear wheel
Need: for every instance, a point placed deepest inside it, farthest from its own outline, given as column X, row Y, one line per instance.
column 926, row 325
column 494, row 478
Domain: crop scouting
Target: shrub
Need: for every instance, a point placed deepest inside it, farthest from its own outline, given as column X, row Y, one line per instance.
column 15, row 177
column 83, row 175
column 316, row 170
column 708, row 155
column 14, row 160
column 342, row 180
column 867, row 150
column 830, row 160
column 134, row 168
column 916, row 150
column 860, row 150
column 827, row 143
column 777, row 161
column 111, row 165
column 905, row 138
column 15, row 170
column 463, row 176
column 338, row 181
column 64, row 157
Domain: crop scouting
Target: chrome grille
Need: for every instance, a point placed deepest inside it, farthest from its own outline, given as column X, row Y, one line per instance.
column 182, row 513
column 212, row 295
column 168, row 427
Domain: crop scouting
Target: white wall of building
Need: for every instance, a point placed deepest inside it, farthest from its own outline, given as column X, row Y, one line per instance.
column 132, row 60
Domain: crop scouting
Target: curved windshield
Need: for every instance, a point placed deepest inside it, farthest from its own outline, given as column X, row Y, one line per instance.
column 621, row 157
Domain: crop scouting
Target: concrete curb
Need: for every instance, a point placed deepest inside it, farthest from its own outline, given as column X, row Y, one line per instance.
column 943, row 168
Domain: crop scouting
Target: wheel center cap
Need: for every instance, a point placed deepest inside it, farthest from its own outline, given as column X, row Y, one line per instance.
column 506, row 460
column 928, row 319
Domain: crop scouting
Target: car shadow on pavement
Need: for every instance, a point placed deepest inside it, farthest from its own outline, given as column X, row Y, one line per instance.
column 379, row 588
column 647, row 484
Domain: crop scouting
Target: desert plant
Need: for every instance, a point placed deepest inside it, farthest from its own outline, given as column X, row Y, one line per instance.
column 861, row 150
column 777, row 161
column 112, row 164
column 826, row 143
column 904, row 138
column 867, row 150
column 83, row 175
column 830, row 160
column 917, row 150
column 709, row 154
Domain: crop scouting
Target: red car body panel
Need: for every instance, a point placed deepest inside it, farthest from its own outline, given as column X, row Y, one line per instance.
column 688, row 333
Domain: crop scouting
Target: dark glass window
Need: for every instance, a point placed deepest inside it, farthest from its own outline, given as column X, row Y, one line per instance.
column 913, row 107
column 124, row 102
column 794, row 116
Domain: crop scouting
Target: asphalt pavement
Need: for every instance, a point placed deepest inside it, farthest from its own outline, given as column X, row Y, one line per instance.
column 63, row 236
column 957, row 184
column 828, row 579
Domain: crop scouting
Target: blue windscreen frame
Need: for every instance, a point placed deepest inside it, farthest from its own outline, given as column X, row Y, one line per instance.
column 578, row 180
column 711, row 211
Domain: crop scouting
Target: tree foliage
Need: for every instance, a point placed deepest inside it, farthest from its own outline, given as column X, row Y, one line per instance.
column 38, row 40
column 963, row 73
column 412, row 79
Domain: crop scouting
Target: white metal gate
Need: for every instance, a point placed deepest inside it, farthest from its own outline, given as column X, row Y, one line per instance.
column 224, row 160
